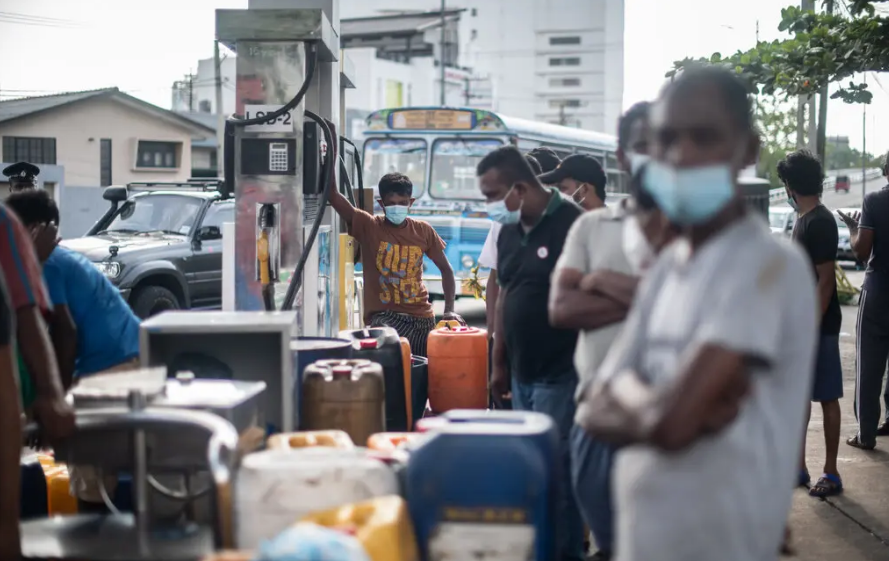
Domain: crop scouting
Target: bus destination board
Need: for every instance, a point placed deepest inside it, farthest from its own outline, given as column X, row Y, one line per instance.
column 432, row 119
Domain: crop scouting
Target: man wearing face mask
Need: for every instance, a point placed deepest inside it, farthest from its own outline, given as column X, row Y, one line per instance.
column 593, row 287
column 546, row 157
column 816, row 230
column 392, row 250
column 535, row 222
column 580, row 177
column 713, row 368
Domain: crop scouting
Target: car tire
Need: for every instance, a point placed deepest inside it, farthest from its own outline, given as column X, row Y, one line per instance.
column 151, row 300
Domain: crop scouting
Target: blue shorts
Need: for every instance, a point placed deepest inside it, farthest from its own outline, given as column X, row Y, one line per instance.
column 828, row 382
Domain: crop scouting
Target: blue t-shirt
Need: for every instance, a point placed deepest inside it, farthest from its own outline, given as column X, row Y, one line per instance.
column 107, row 330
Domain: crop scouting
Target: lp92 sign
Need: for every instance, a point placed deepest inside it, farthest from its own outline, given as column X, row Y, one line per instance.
column 284, row 123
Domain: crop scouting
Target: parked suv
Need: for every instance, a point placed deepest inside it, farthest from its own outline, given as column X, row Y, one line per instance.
column 162, row 247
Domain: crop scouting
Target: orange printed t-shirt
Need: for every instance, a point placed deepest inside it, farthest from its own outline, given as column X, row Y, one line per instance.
column 392, row 261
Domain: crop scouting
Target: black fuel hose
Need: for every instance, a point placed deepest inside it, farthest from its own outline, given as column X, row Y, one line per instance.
column 228, row 149
column 326, row 175
column 360, row 175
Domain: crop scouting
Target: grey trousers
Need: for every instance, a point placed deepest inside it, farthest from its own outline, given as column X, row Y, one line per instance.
column 871, row 353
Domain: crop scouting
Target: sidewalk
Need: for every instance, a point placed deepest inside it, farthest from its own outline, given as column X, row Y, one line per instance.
column 853, row 526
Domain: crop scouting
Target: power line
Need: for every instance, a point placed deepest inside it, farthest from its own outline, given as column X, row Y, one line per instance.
column 39, row 23
column 35, row 18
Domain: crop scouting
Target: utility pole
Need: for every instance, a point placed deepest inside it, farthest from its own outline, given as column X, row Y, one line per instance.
column 220, row 115
column 864, row 147
column 442, row 56
column 804, row 102
column 821, row 141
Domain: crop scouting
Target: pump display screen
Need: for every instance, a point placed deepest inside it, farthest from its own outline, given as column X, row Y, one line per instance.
column 432, row 119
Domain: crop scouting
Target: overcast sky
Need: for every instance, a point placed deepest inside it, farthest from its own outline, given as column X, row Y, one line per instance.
column 48, row 46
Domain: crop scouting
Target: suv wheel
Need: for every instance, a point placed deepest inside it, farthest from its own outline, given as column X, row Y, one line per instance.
column 152, row 300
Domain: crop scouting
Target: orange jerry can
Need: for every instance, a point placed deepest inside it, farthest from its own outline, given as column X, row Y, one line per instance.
column 458, row 368
column 408, row 393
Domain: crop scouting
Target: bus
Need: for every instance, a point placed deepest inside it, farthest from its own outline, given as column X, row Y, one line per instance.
column 439, row 149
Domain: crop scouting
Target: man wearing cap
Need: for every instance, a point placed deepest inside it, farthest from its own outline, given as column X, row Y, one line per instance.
column 547, row 159
column 580, row 177
column 21, row 176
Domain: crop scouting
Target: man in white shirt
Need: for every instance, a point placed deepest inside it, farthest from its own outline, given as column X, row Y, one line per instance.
column 593, row 287
column 707, row 385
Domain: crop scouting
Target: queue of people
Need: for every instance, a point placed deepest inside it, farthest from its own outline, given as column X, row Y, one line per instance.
column 698, row 338
column 670, row 338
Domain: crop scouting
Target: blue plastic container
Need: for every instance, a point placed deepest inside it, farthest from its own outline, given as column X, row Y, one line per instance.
column 486, row 480
column 308, row 350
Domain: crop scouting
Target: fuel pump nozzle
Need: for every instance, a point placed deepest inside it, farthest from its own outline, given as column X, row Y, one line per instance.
column 266, row 254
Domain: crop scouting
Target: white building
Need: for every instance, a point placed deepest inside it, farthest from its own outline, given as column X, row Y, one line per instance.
column 559, row 61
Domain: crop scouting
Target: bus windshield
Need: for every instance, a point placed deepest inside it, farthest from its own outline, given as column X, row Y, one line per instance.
column 403, row 155
column 453, row 167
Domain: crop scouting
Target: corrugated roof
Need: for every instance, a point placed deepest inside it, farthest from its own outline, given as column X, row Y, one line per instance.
column 391, row 25
column 15, row 108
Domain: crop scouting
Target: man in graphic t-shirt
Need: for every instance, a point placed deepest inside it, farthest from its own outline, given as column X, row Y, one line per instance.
column 392, row 251
column 10, row 439
column 816, row 229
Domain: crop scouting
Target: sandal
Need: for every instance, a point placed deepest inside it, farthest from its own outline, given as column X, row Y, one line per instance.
column 804, row 478
column 855, row 442
column 827, row 485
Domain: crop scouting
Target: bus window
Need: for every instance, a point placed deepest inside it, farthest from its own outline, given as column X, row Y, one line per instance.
column 453, row 167
column 389, row 155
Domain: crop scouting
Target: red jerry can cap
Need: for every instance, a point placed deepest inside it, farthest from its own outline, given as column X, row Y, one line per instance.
column 368, row 344
column 342, row 370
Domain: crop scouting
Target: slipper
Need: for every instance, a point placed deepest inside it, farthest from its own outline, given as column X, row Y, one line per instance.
column 827, row 485
column 856, row 442
column 804, row 478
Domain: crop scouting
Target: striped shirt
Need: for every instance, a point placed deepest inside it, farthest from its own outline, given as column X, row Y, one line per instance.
column 18, row 260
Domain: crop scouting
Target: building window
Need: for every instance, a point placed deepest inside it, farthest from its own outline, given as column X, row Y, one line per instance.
column 29, row 149
column 105, row 162
column 204, row 106
column 564, row 82
column 557, row 103
column 565, row 61
column 156, row 155
column 213, row 162
column 564, row 40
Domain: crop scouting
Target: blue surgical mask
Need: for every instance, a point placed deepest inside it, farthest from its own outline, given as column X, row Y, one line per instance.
column 792, row 202
column 690, row 196
column 498, row 212
column 636, row 161
column 396, row 213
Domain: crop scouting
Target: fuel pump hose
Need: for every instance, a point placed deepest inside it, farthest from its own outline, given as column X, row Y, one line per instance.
column 326, row 179
column 360, row 175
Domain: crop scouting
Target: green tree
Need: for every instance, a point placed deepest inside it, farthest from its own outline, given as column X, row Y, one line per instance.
column 777, row 125
column 822, row 49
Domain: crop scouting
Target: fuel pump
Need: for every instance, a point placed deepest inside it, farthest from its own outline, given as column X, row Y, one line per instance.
column 279, row 52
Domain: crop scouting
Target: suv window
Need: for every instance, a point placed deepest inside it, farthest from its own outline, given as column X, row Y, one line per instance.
column 157, row 213
column 218, row 214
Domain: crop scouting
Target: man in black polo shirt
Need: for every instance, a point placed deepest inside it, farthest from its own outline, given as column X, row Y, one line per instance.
column 870, row 241
column 535, row 222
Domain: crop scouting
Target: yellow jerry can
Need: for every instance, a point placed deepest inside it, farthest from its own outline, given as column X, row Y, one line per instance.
column 382, row 525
